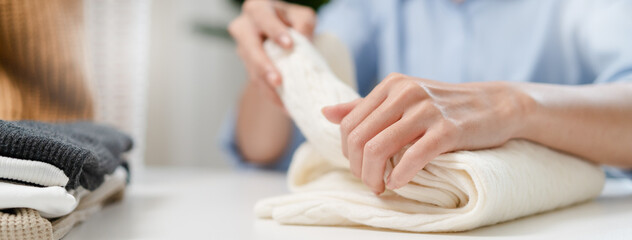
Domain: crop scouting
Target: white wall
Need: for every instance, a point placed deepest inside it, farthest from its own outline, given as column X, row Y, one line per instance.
column 193, row 81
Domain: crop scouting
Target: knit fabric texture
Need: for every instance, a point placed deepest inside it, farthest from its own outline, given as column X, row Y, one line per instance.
column 28, row 224
column 456, row 191
column 43, row 70
column 23, row 223
column 84, row 151
column 31, row 172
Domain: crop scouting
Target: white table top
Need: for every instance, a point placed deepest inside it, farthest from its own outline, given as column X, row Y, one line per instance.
column 167, row 203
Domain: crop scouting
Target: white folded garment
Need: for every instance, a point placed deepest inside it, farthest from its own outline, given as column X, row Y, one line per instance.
column 52, row 201
column 35, row 172
column 49, row 201
column 455, row 192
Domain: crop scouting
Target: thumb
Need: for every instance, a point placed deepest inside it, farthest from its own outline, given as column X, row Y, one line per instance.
column 336, row 113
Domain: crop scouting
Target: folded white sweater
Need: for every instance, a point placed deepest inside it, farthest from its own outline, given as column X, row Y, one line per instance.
column 51, row 201
column 33, row 172
column 55, row 201
column 455, row 192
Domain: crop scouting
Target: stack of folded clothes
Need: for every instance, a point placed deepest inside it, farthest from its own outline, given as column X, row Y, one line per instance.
column 53, row 176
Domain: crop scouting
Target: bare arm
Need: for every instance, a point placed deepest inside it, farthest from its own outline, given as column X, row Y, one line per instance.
column 591, row 121
column 263, row 129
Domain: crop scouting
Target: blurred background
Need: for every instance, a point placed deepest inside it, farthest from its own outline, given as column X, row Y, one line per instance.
column 195, row 78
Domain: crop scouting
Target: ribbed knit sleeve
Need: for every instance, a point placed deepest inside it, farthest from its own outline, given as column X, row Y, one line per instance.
column 43, row 70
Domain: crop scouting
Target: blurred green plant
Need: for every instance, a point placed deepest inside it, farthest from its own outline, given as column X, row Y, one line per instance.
column 220, row 31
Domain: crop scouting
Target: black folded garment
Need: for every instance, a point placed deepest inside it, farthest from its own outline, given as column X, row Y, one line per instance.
column 85, row 151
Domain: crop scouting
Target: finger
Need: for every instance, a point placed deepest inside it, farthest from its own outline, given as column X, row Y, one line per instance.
column 265, row 16
column 416, row 157
column 282, row 10
column 301, row 18
column 383, row 116
column 336, row 113
column 372, row 101
column 250, row 47
column 383, row 146
column 357, row 114
column 262, row 86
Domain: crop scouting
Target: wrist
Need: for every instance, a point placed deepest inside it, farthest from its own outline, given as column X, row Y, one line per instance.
column 526, row 110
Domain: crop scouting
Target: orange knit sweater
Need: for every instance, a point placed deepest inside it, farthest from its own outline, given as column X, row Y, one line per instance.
column 43, row 68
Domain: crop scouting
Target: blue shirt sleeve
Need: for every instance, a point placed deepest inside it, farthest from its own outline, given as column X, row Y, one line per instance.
column 354, row 23
column 605, row 40
column 231, row 151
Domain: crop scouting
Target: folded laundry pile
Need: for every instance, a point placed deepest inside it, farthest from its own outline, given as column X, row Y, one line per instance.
column 53, row 176
column 455, row 192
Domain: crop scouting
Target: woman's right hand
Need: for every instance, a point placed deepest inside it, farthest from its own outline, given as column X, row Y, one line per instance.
column 263, row 19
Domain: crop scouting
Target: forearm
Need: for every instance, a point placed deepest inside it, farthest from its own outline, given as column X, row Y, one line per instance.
column 263, row 129
column 591, row 121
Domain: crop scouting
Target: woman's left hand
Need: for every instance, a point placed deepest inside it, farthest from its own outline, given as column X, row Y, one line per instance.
column 433, row 117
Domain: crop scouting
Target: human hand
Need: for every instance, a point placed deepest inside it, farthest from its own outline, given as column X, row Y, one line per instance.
column 263, row 19
column 432, row 117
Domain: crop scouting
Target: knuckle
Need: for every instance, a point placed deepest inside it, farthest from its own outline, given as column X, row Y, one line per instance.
column 372, row 148
column 355, row 140
column 408, row 92
column 394, row 77
column 346, row 126
column 429, row 108
column 411, row 153
column 446, row 126
column 411, row 87
column 447, row 131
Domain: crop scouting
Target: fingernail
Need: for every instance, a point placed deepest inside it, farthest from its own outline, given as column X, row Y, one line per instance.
column 285, row 40
column 324, row 111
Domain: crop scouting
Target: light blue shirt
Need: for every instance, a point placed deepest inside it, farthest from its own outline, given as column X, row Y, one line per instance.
column 548, row 41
